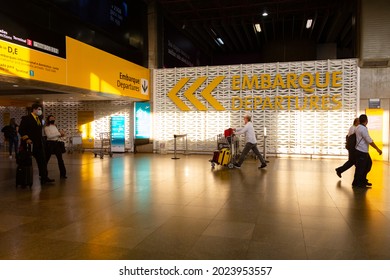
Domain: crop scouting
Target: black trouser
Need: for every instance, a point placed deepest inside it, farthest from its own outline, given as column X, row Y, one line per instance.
column 349, row 163
column 13, row 143
column 58, row 153
column 363, row 166
column 39, row 155
column 245, row 151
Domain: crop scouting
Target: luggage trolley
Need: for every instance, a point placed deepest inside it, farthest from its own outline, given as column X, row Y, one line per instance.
column 227, row 145
column 105, row 145
column 75, row 144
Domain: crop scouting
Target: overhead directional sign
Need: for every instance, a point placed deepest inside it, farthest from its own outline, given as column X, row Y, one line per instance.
column 190, row 94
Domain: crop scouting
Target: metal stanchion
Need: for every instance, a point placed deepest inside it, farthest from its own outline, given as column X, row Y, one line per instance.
column 175, row 136
column 264, row 149
column 264, row 145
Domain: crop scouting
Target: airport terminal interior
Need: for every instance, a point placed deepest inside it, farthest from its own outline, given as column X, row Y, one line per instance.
column 126, row 72
column 150, row 206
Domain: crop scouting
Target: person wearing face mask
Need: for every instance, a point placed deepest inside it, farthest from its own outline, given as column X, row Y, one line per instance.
column 52, row 144
column 30, row 130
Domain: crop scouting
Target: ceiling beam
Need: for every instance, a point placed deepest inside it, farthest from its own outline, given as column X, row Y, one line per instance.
column 229, row 32
column 248, row 36
column 244, row 46
column 228, row 40
column 205, row 39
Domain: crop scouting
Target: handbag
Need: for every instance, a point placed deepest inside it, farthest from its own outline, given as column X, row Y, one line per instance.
column 61, row 147
column 51, row 147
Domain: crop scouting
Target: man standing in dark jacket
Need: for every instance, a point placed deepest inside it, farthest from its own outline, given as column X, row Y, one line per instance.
column 30, row 130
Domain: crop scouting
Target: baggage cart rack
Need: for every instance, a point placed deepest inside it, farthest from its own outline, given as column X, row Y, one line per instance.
column 105, row 145
column 75, row 144
column 231, row 143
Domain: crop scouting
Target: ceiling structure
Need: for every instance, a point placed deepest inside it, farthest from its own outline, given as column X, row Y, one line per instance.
column 233, row 21
column 22, row 93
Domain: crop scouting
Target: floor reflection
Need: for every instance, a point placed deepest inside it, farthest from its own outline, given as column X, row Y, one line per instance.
column 148, row 206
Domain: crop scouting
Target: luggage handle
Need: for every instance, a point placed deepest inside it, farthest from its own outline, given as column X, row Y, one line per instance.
column 29, row 147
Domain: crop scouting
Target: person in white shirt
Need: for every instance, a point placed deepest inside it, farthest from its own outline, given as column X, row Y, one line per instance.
column 363, row 159
column 53, row 148
column 351, row 152
column 251, row 143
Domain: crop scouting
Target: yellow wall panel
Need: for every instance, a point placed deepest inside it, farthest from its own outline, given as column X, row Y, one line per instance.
column 375, row 128
column 85, row 121
column 92, row 69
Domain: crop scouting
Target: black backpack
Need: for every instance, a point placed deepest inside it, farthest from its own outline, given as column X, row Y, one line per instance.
column 7, row 130
column 350, row 142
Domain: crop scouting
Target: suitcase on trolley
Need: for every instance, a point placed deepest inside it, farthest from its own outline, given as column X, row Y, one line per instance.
column 215, row 156
column 224, row 156
column 228, row 132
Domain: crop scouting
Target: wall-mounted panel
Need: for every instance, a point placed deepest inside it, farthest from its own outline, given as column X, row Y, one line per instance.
column 306, row 107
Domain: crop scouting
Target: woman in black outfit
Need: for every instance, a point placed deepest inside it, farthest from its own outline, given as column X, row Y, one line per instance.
column 53, row 144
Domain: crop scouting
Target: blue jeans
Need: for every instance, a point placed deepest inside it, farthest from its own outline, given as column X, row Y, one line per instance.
column 13, row 143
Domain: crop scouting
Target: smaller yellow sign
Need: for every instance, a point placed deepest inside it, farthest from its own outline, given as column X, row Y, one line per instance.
column 16, row 60
column 375, row 128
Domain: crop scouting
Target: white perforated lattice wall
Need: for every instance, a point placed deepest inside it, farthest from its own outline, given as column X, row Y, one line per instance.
column 66, row 116
column 14, row 112
column 305, row 107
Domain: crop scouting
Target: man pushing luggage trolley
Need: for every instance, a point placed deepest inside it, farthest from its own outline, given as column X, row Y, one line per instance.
column 250, row 143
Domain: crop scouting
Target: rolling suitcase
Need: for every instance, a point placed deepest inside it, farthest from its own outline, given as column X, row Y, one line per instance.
column 215, row 156
column 24, row 170
column 224, row 157
column 24, row 176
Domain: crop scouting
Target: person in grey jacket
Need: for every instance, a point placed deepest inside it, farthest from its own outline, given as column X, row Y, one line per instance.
column 250, row 142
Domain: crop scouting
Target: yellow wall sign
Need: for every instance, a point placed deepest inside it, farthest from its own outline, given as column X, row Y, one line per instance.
column 189, row 94
column 92, row 69
column 306, row 82
column 23, row 62
column 288, row 102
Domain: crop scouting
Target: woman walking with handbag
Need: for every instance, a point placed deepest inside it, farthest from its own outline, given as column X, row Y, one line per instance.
column 54, row 145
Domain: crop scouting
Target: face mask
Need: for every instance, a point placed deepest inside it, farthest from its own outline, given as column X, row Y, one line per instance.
column 39, row 112
column 51, row 122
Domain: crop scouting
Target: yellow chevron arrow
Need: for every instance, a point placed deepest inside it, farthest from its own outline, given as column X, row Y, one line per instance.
column 189, row 94
column 172, row 94
column 206, row 93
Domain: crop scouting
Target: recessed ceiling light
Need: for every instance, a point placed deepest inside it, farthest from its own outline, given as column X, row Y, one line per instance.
column 309, row 22
column 220, row 41
column 265, row 14
column 258, row 27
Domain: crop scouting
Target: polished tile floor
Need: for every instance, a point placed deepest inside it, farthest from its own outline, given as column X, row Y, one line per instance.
column 148, row 206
